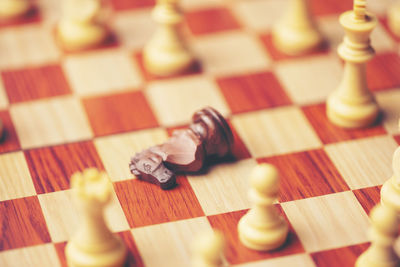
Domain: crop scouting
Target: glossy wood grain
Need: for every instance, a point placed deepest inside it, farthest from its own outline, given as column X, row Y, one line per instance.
column 368, row 197
column 383, row 72
column 253, row 91
column 119, row 113
column 341, row 257
column 210, row 20
column 147, row 204
column 22, row 224
column 35, row 83
column 311, row 174
column 52, row 167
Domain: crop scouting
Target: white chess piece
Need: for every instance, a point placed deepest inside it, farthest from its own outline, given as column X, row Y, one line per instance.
column 393, row 17
column 352, row 105
column 296, row 33
column 166, row 54
column 93, row 245
column 10, row 9
column 263, row 228
column 207, row 249
column 81, row 25
column 383, row 233
column 390, row 192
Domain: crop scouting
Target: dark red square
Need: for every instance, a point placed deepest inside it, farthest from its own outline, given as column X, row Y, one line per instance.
column 368, row 197
column 397, row 138
column 195, row 68
column 22, row 224
column 253, row 92
column 330, row 133
column 383, row 72
column 119, row 113
column 60, row 249
column 146, row 204
column 329, row 7
column 9, row 140
column 237, row 253
column 340, row 257
column 34, row 83
column 213, row 20
column 52, row 167
column 130, row 4
column 277, row 55
column 311, row 174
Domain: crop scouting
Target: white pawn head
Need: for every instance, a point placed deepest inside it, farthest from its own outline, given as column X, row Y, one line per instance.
column 265, row 179
column 385, row 219
column 209, row 245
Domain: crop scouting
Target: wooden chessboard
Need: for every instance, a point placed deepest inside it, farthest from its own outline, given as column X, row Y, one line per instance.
column 64, row 112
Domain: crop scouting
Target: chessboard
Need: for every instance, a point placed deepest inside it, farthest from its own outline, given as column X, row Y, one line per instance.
column 64, row 112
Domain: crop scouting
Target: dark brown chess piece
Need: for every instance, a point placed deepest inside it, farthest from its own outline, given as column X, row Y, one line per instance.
column 186, row 151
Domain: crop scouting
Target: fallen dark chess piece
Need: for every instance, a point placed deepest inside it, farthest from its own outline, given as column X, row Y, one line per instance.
column 186, row 151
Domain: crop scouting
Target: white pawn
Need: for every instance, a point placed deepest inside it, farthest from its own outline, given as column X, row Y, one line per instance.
column 296, row 33
column 11, row 9
column 208, row 249
column 81, row 26
column 93, row 245
column 263, row 228
column 390, row 192
column 383, row 233
column 166, row 54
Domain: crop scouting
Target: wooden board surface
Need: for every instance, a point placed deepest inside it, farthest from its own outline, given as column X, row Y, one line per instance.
column 65, row 112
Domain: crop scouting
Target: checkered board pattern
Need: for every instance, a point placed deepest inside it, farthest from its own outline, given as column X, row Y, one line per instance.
column 64, row 112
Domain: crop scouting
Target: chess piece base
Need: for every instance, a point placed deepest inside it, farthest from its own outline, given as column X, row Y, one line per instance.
column 296, row 42
column 77, row 36
column 78, row 258
column 393, row 17
column 162, row 62
column 367, row 260
column 390, row 196
column 351, row 116
column 11, row 9
column 262, row 239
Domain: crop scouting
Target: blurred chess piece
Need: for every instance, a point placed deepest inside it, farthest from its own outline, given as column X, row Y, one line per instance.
column 82, row 25
column 1, row 130
column 208, row 249
column 209, row 135
column 12, row 9
column 166, row 54
column 352, row 105
column 296, row 33
column 93, row 245
column 263, row 228
column 390, row 192
column 383, row 233
column 393, row 17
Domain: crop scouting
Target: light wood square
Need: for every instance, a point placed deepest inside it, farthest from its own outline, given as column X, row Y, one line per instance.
column 3, row 96
column 224, row 187
column 231, row 52
column 174, row 101
column 252, row 13
column 298, row 260
column 328, row 221
column 134, row 28
column 277, row 131
column 204, row 4
column 117, row 150
column 168, row 244
column 15, row 179
column 62, row 216
column 310, row 80
column 334, row 32
column 28, row 45
column 41, row 255
column 389, row 103
column 102, row 72
column 65, row 115
column 363, row 162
